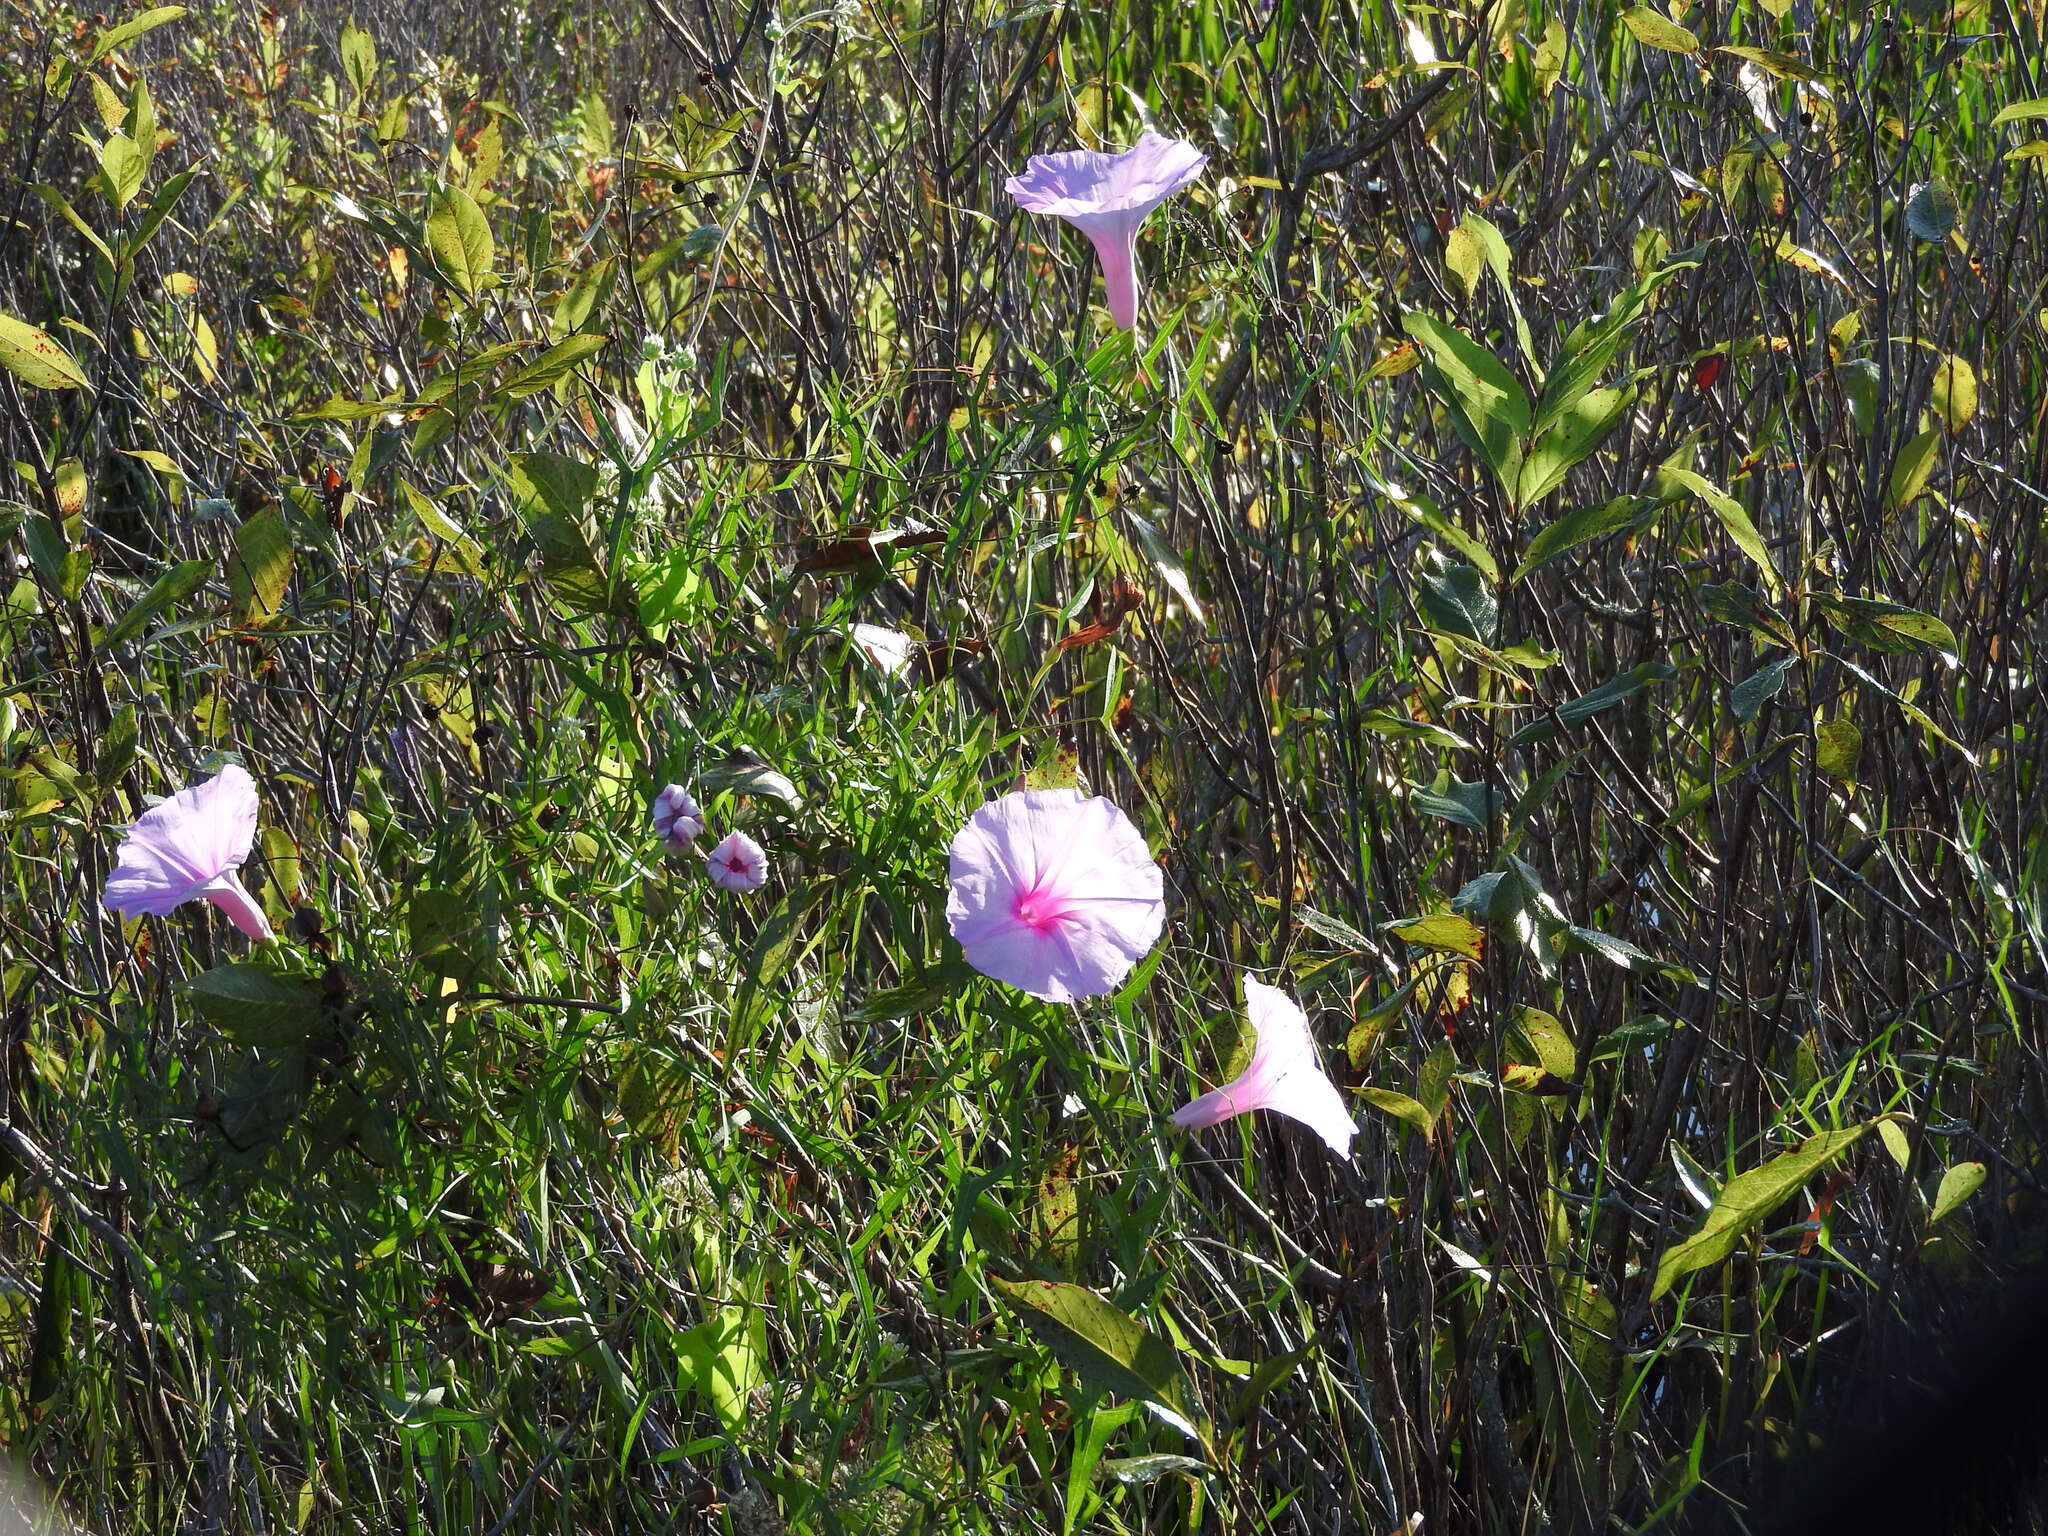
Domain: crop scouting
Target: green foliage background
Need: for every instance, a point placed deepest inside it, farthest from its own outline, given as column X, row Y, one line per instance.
column 1581, row 469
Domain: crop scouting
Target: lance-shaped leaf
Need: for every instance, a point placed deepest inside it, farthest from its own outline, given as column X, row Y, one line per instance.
column 1734, row 518
column 1579, row 429
column 1747, row 1199
column 460, row 237
column 1110, row 1350
column 1489, row 409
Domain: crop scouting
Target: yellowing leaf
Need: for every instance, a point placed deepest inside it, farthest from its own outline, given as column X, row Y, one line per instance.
column 460, row 236
column 1955, row 393
column 259, row 568
column 1957, row 1185
column 1653, row 29
column 1747, row 1199
column 36, row 358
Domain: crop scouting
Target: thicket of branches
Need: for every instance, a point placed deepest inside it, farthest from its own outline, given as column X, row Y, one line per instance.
column 1564, row 552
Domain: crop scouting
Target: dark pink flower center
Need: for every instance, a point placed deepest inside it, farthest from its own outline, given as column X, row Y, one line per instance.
column 1039, row 909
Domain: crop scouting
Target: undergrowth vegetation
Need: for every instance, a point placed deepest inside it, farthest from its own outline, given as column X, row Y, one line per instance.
column 1555, row 575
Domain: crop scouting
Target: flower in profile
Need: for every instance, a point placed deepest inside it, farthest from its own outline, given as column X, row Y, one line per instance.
column 1285, row 1076
column 188, row 848
column 738, row 864
column 1053, row 893
column 1106, row 197
column 678, row 819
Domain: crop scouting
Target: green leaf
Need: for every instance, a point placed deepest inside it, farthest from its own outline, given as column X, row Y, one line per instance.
column 1549, row 1043
column 174, row 586
column 122, row 165
column 460, row 237
column 1957, row 1185
column 1911, row 469
column 725, row 1358
column 259, row 569
column 1336, row 930
column 1384, row 722
column 62, row 565
column 1931, row 211
column 50, row 1343
column 1954, row 393
column 1738, row 605
column 448, row 934
column 1443, row 931
column 1110, row 1351
column 358, row 58
column 1733, row 518
column 1747, row 1199
column 1513, row 898
column 128, row 31
column 254, row 1006
column 1591, row 941
column 158, row 210
column 36, row 358
column 757, row 780
column 1760, row 687
column 1614, row 691
column 1408, row 1111
column 1590, row 347
column 551, row 492
column 1653, row 29
column 2022, row 112
column 1466, row 805
column 1588, row 523
column 1489, row 408
column 1427, row 513
column 1838, row 749
column 553, row 365
column 1456, row 599
column 1579, row 429
column 1167, row 562
column 1885, row 626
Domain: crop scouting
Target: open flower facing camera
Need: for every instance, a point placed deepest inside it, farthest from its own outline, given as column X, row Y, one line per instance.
column 1053, row 893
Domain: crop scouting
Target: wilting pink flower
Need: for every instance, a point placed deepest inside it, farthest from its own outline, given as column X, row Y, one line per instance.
column 1284, row 1076
column 889, row 649
column 678, row 819
column 738, row 864
column 1106, row 197
column 1055, row 894
column 188, row 848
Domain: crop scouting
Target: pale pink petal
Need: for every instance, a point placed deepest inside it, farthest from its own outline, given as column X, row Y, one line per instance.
column 738, row 864
column 1285, row 1076
column 1107, row 197
column 179, row 848
column 229, row 894
column 1054, row 893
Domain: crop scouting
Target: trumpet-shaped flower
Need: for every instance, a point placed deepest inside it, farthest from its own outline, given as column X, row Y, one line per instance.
column 1107, row 197
column 738, row 864
column 678, row 819
column 1284, row 1076
column 188, row 848
column 1053, row 893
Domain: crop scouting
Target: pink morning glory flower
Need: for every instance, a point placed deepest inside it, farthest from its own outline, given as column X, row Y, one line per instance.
column 1285, row 1076
column 738, row 864
column 678, row 819
column 188, row 848
column 1106, row 197
column 1055, row 894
